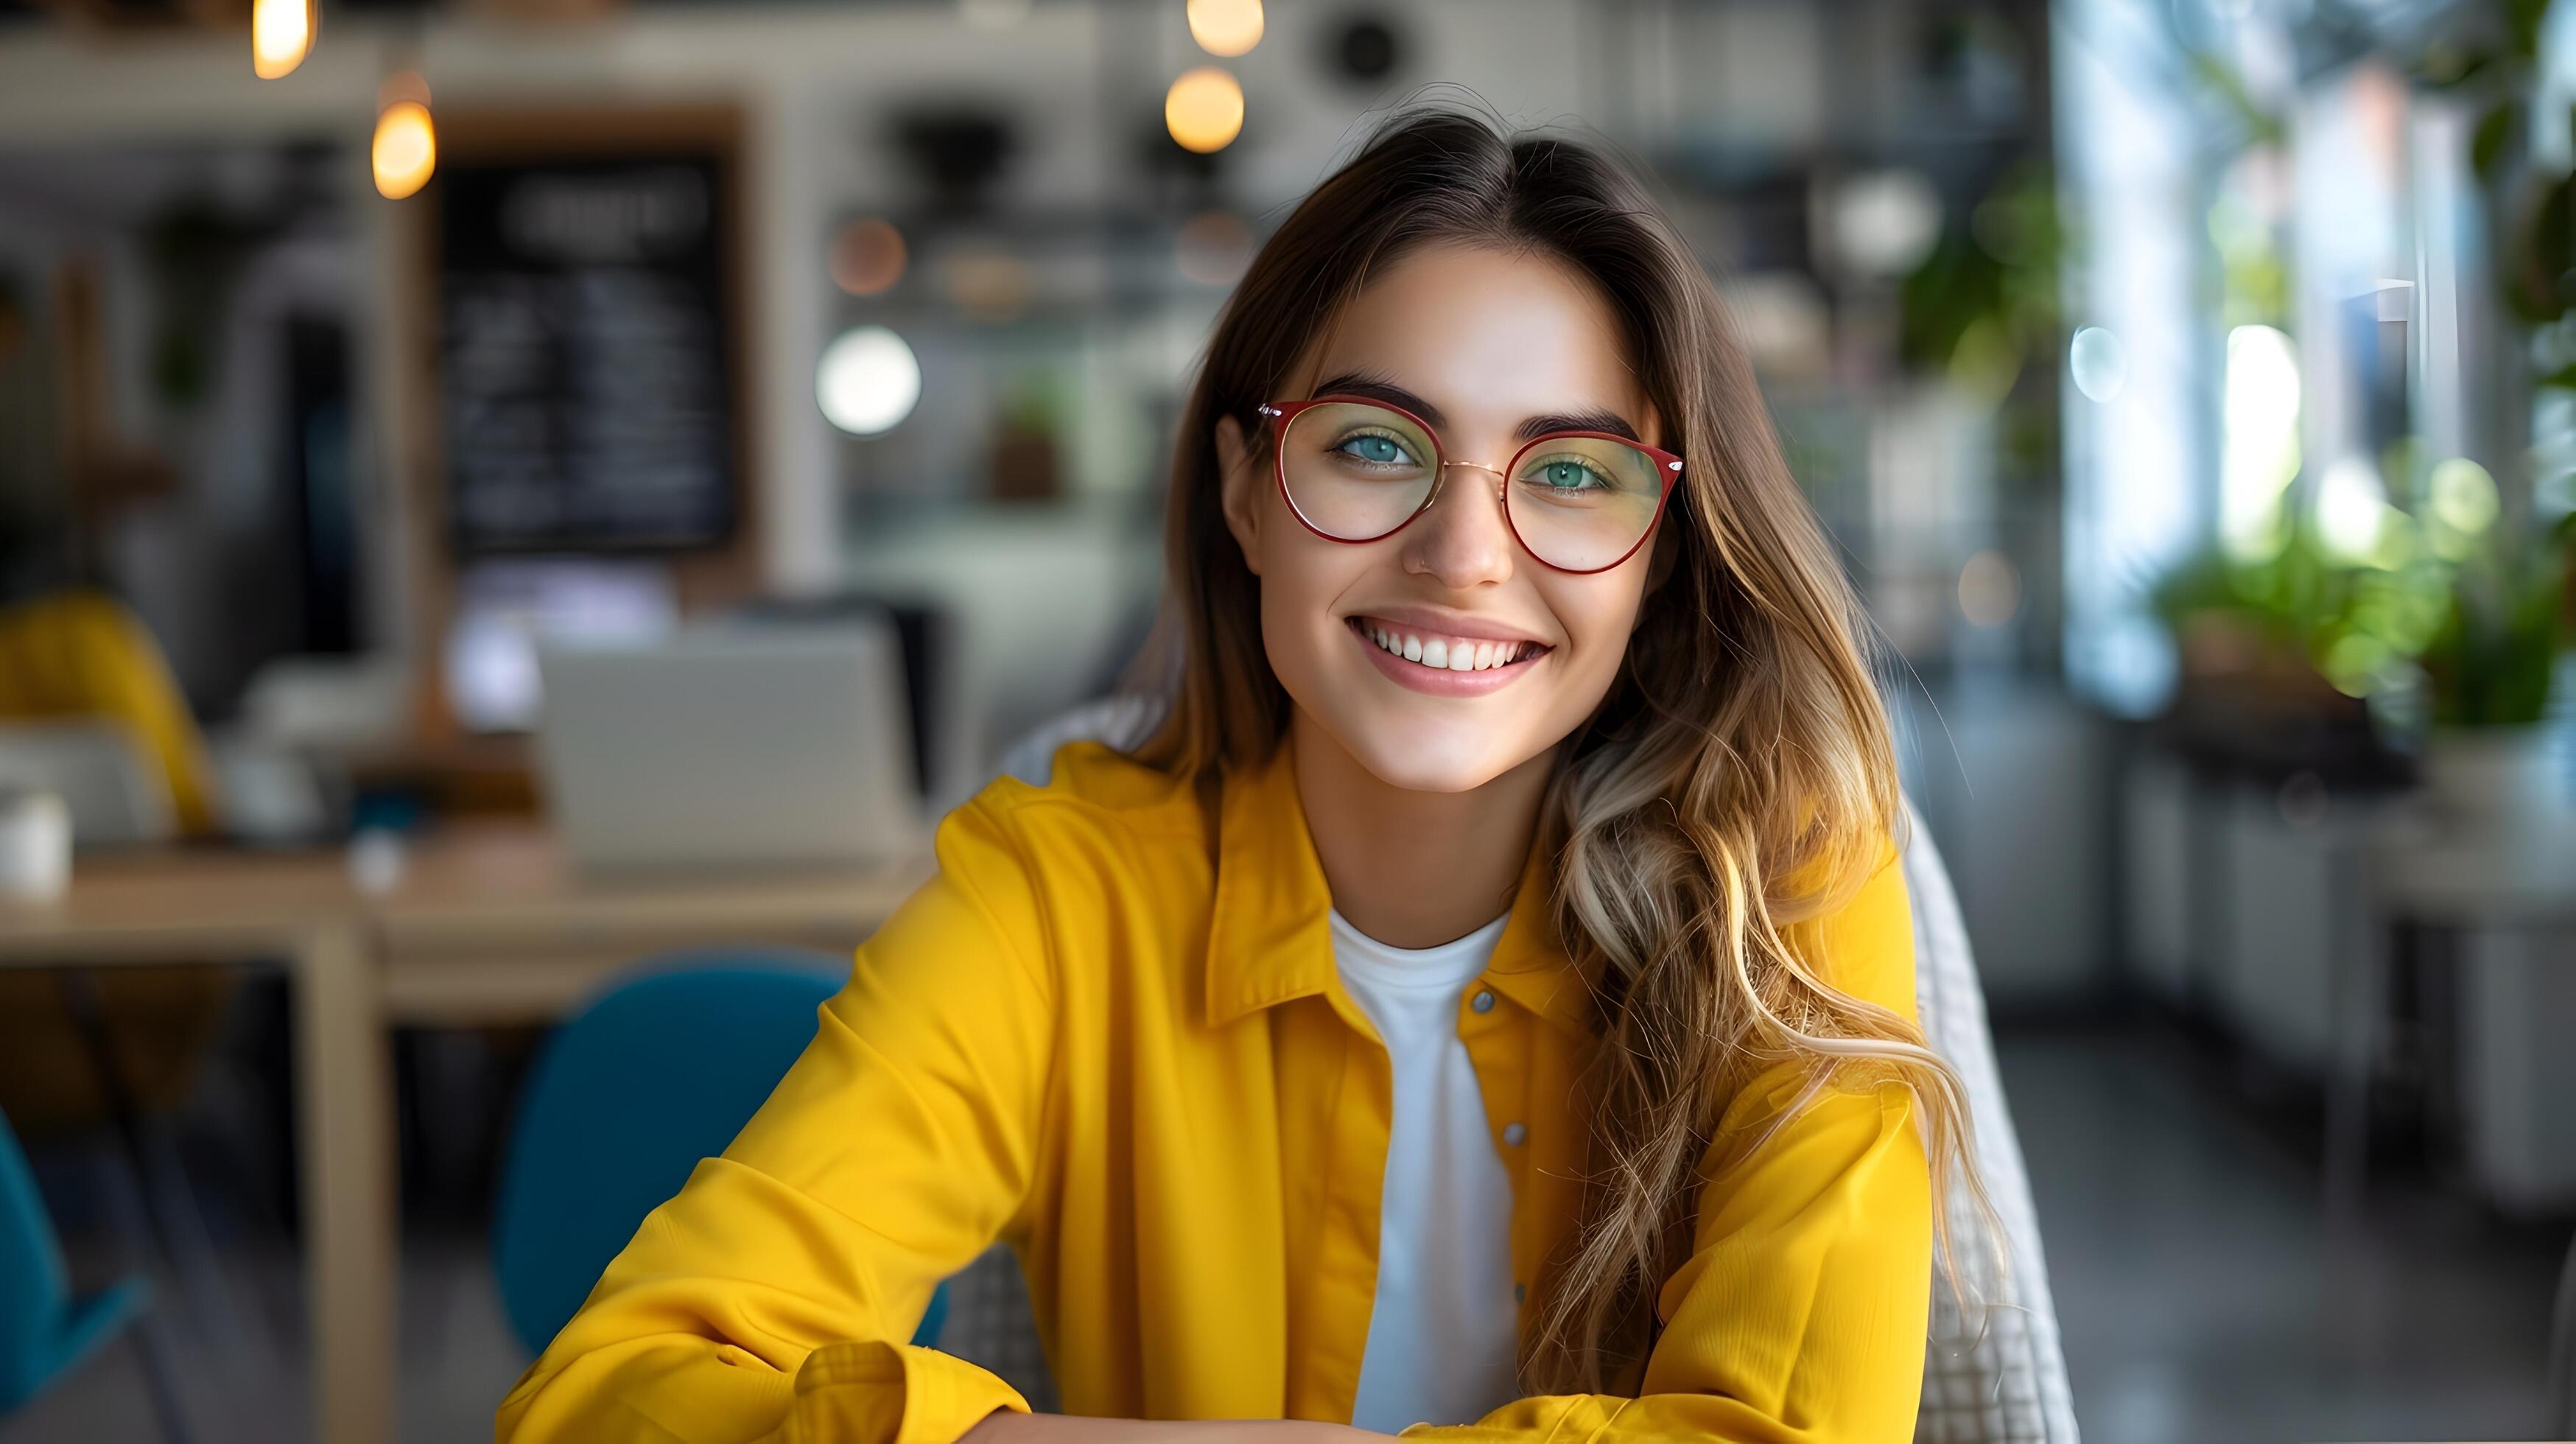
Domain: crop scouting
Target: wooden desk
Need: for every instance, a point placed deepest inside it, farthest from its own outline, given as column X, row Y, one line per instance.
column 491, row 924
column 186, row 906
column 486, row 923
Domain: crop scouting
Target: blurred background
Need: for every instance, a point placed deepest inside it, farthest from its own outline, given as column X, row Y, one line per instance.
column 469, row 467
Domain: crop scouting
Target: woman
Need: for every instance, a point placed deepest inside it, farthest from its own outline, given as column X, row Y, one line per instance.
column 1486, row 1001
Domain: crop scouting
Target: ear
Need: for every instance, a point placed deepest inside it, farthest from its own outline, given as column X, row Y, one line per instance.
column 1239, row 489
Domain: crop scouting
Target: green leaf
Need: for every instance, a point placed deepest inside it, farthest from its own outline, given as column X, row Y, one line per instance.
column 2487, row 144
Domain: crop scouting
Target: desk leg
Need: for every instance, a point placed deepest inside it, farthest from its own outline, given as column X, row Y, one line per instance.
column 344, row 1116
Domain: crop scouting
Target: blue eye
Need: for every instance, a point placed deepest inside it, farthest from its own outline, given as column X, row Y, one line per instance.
column 1373, row 449
column 1571, row 476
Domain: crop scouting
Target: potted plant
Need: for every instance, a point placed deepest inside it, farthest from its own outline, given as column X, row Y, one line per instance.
column 2489, row 757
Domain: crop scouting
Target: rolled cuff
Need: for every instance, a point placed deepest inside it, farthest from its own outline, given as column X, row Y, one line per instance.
column 885, row 1393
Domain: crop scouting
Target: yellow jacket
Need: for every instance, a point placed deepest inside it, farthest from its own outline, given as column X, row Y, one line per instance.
column 1121, row 1045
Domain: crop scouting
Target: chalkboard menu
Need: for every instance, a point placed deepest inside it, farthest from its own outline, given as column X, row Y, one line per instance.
column 585, row 358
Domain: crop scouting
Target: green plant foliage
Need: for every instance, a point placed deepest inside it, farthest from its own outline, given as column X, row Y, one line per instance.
column 2490, row 661
column 2542, row 254
column 2482, row 629
column 2355, row 622
column 1985, row 300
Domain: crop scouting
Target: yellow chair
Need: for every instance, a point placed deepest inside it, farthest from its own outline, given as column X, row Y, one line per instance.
column 77, row 655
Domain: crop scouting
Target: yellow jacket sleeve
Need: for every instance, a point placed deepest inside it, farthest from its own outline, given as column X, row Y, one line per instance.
column 1802, row 1312
column 772, row 1297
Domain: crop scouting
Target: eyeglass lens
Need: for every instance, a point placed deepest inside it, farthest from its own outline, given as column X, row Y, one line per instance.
column 1357, row 471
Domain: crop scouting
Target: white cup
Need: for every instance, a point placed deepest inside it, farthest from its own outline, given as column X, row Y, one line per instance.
column 35, row 844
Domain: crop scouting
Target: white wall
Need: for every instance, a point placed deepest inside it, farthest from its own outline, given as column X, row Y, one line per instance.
column 2012, row 777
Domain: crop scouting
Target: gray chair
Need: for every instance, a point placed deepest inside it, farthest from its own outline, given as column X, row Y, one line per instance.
column 2002, row 1383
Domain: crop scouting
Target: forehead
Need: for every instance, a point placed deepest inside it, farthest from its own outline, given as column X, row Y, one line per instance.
column 1488, row 338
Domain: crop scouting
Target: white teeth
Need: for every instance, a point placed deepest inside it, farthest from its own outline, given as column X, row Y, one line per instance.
column 1463, row 656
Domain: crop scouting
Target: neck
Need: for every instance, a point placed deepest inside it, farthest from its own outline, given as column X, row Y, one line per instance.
column 1414, row 869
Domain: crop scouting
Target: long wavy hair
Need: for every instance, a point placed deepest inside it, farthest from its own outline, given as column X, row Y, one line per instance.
column 1738, row 777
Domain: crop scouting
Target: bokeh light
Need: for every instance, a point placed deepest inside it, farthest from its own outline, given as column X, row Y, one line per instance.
column 405, row 150
column 868, row 257
column 2099, row 363
column 986, row 284
column 1204, row 109
column 1886, row 221
column 1225, row 27
column 867, row 380
column 1213, row 248
column 281, row 35
column 2463, row 496
column 1989, row 589
column 2351, row 508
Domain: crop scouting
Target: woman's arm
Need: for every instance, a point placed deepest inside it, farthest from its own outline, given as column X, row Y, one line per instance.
column 774, row 1297
column 1803, row 1310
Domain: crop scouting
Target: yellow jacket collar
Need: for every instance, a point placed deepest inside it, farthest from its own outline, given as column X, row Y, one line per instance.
column 1271, row 939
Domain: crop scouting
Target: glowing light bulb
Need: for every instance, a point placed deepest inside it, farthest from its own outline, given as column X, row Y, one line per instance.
column 406, row 149
column 281, row 35
column 1204, row 109
column 1225, row 27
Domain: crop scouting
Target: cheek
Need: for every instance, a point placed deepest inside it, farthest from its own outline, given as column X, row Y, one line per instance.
column 1598, row 615
column 1302, row 578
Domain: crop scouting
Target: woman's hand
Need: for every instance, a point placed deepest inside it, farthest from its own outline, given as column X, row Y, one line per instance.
column 1008, row 1428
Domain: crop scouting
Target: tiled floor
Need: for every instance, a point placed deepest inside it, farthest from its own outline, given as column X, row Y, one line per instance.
column 2201, row 1298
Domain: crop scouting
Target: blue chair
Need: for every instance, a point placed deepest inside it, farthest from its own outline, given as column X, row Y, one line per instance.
column 662, row 1069
column 45, row 1332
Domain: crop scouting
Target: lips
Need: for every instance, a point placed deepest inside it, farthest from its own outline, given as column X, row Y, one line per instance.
column 1405, row 655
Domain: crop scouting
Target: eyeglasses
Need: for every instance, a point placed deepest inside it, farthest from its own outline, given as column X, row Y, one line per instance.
column 1357, row 471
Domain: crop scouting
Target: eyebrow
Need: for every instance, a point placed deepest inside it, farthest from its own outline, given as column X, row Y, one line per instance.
column 1375, row 386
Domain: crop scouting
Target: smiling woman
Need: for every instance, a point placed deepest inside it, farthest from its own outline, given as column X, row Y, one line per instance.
column 1398, row 530
column 1485, row 1007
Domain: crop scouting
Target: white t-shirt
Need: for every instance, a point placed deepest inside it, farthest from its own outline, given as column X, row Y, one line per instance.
column 1444, row 1327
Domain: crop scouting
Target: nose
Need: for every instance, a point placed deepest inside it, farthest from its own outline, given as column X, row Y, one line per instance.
column 1464, row 540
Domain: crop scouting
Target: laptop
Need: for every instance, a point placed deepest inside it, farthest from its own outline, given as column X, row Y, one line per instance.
column 730, row 747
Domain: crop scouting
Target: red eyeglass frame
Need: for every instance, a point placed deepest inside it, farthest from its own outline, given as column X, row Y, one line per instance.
column 1280, row 413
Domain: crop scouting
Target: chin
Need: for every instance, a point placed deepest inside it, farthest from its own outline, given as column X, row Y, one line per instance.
column 1423, row 757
